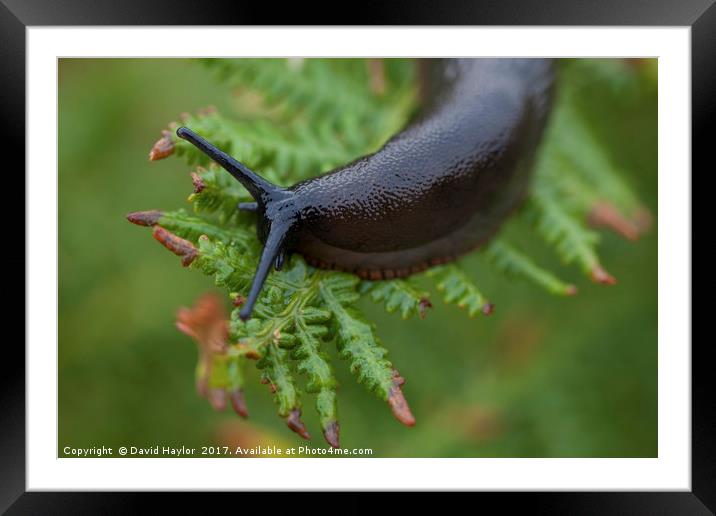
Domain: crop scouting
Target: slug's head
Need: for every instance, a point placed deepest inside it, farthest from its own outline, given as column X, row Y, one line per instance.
column 275, row 207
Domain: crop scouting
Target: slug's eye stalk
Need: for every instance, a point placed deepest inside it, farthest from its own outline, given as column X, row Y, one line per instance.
column 273, row 204
column 257, row 186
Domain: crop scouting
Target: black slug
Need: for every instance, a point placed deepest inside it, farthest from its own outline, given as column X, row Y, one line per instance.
column 438, row 189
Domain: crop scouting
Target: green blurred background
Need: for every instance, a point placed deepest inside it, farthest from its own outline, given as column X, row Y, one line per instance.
column 542, row 377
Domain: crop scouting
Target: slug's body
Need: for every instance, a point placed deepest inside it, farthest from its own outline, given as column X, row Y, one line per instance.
column 436, row 190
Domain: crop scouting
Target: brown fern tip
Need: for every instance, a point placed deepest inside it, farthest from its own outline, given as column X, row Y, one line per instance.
column 217, row 399
column 163, row 147
column 238, row 402
column 605, row 214
column 571, row 290
column 398, row 404
column 600, row 275
column 197, row 182
column 293, row 420
column 423, row 306
column 331, row 433
column 145, row 218
column 176, row 245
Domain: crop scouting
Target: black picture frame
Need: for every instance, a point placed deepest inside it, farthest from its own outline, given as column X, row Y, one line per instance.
column 17, row 15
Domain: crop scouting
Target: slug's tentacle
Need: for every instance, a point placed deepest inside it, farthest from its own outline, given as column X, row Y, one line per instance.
column 258, row 187
column 272, row 254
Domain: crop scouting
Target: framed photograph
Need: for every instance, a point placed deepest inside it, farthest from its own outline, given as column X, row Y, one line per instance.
column 447, row 256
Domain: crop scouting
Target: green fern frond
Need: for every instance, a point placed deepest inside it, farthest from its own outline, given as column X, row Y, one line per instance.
column 335, row 94
column 191, row 228
column 355, row 339
column 314, row 89
column 457, row 288
column 574, row 143
column 398, row 294
column 315, row 365
column 511, row 261
column 217, row 192
column 295, row 150
column 616, row 75
column 276, row 373
column 231, row 266
column 356, row 342
column 570, row 238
